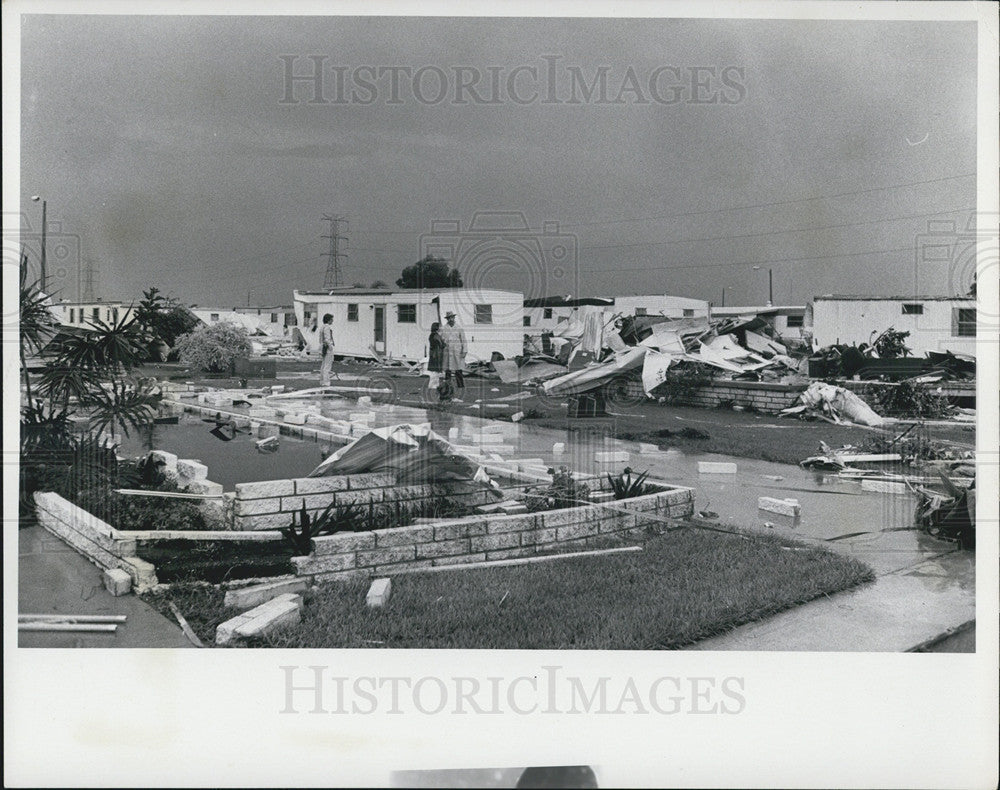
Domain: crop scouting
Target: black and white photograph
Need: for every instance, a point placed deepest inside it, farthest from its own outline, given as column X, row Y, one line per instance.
column 454, row 397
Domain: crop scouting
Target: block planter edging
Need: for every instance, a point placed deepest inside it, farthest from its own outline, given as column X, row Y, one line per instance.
column 346, row 556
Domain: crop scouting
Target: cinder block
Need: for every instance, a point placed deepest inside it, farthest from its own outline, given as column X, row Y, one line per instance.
column 462, row 529
column 784, row 507
column 117, row 582
column 612, row 457
column 716, row 468
column 364, row 400
column 320, row 485
column 884, row 486
column 576, row 531
column 262, row 412
column 379, row 592
column 494, row 542
column 283, row 610
column 386, row 556
column 295, row 419
column 492, row 427
column 267, row 430
column 512, row 508
column 265, row 488
column 452, row 434
column 343, row 542
column 206, row 487
column 443, row 548
column 249, row 597
column 488, row 438
column 191, row 469
column 403, row 536
column 257, row 507
column 648, row 449
column 602, row 496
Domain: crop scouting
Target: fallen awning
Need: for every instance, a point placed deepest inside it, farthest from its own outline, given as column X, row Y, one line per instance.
column 413, row 453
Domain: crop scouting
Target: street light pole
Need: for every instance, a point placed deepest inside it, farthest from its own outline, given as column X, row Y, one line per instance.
column 770, row 284
column 36, row 198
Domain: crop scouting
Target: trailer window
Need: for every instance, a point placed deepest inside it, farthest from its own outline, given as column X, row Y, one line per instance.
column 484, row 314
column 407, row 314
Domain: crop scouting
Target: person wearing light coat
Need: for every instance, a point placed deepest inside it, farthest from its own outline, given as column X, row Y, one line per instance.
column 455, row 350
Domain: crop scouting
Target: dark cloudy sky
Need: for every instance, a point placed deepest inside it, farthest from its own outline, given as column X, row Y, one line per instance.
column 818, row 149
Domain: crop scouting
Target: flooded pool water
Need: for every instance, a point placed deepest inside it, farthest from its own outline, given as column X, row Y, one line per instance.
column 229, row 462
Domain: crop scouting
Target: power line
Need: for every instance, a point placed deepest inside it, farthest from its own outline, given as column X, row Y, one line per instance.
column 748, row 263
column 769, row 232
column 767, row 205
column 743, row 207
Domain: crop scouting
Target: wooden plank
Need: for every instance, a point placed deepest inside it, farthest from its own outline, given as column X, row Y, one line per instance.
column 108, row 628
column 75, row 618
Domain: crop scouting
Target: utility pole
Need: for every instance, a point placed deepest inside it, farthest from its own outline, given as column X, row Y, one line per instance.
column 332, row 278
column 770, row 287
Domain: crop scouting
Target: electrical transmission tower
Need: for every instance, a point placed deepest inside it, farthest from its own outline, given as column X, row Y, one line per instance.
column 89, row 276
column 332, row 278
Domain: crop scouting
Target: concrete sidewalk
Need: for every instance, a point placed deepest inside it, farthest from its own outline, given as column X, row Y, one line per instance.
column 54, row 579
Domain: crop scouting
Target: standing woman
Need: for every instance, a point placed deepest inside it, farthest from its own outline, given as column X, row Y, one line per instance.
column 326, row 344
column 435, row 356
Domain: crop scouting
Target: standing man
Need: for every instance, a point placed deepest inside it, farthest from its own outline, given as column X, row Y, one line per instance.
column 454, row 353
column 326, row 344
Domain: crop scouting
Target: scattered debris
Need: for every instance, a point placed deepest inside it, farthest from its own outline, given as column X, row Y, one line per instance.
column 117, row 582
column 949, row 515
column 188, row 632
column 834, row 403
column 716, row 467
column 783, row 507
column 378, row 593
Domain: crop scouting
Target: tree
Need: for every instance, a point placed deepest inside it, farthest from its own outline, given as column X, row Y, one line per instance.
column 379, row 284
column 214, row 348
column 84, row 374
column 972, row 287
column 430, row 272
column 163, row 317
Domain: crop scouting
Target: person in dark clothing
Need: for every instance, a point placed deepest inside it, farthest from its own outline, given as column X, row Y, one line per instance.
column 435, row 358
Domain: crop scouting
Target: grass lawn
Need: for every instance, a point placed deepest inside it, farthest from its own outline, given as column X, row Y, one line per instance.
column 684, row 586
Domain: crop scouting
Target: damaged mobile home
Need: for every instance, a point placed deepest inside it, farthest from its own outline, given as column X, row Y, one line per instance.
column 395, row 323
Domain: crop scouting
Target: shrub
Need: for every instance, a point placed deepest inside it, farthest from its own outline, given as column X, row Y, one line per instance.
column 626, row 487
column 563, row 491
column 213, row 349
column 682, row 381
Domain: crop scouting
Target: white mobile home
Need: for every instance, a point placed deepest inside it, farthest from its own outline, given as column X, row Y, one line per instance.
column 86, row 313
column 935, row 323
column 396, row 323
column 275, row 322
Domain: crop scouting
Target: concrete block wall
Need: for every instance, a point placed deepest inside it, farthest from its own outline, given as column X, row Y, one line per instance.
column 765, row 397
column 94, row 539
column 482, row 538
column 270, row 504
